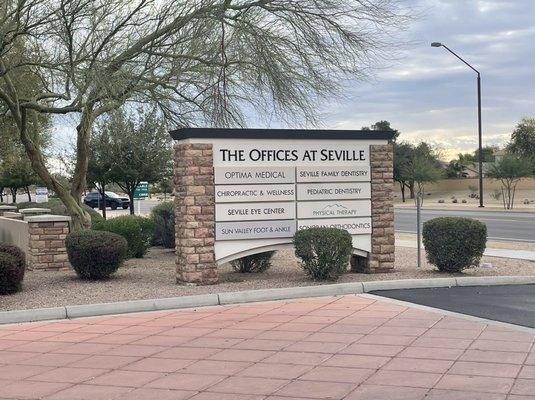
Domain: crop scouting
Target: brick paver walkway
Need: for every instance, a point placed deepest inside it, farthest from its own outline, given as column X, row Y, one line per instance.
column 347, row 347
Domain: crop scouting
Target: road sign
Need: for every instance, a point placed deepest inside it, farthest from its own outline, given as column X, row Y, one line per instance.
column 41, row 194
column 142, row 191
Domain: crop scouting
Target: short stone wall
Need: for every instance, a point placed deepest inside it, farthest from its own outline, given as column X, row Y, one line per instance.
column 41, row 237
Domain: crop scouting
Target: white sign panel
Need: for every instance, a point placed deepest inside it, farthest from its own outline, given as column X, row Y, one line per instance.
column 41, row 194
column 241, row 193
column 268, row 174
column 333, row 191
column 334, row 174
column 254, row 211
column 255, row 230
column 311, row 153
column 355, row 226
column 334, row 209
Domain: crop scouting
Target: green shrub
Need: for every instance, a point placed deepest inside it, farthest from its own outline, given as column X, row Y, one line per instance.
column 135, row 229
column 259, row 262
column 58, row 208
column 453, row 243
column 12, row 268
column 95, row 254
column 163, row 216
column 324, row 252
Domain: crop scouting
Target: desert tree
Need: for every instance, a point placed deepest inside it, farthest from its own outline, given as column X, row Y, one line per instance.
column 138, row 150
column 509, row 170
column 202, row 62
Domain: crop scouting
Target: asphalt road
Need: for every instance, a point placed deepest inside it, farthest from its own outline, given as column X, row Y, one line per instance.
column 513, row 304
column 501, row 225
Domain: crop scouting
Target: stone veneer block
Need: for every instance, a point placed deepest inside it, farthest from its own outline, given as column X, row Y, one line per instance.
column 195, row 214
column 46, row 246
column 382, row 173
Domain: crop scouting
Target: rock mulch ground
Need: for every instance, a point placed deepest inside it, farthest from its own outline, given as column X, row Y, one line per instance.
column 154, row 277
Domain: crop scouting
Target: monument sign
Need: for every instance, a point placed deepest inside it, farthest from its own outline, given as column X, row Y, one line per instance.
column 242, row 192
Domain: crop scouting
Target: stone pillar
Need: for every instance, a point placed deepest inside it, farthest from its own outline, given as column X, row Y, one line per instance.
column 382, row 169
column 4, row 209
column 46, row 244
column 194, row 214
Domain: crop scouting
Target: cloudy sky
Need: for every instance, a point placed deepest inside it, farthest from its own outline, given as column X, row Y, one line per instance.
column 430, row 96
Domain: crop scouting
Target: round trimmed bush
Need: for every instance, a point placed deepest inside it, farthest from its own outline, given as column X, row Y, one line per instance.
column 12, row 268
column 135, row 229
column 95, row 254
column 259, row 262
column 324, row 252
column 163, row 216
column 453, row 243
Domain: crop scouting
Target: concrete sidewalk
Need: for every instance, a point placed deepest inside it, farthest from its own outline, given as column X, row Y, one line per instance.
column 349, row 347
column 502, row 253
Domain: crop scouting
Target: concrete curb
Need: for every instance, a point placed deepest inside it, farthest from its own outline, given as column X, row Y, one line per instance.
column 226, row 298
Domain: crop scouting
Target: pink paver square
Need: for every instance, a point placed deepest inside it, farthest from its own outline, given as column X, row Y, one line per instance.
column 316, row 347
column 338, row 374
column 356, row 361
column 126, row 378
column 233, row 333
column 156, row 394
column 263, row 344
column 475, row 383
column 501, row 345
column 134, row 350
column 248, row 385
column 182, row 381
column 17, row 372
column 216, row 343
column 346, row 338
column 404, row 378
column 11, row 357
column 158, row 365
column 500, row 357
column 290, row 357
column 418, row 365
column 527, row 372
column 84, row 348
column 317, row 390
column 68, row 375
column 524, row 387
column 99, row 361
column 53, row 359
column 411, row 322
column 440, row 394
column 434, row 353
column 284, row 335
column 485, row 369
column 227, row 396
column 30, row 390
column 187, row 353
column 372, row 349
column 164, row 341
column 452, row 333
column 375, row 392
column 90, row 392
column 387, row 339
column 241, row 355
column 446, row 343
column 278, row 371
column 215, row 367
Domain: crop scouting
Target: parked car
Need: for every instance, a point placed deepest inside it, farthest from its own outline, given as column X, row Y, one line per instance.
column 113, row 200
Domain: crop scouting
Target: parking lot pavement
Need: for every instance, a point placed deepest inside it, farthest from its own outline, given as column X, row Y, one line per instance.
column 513, row 304
column 349, row 347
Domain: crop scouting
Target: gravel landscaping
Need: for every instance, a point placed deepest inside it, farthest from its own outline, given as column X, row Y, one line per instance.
column 154, row 277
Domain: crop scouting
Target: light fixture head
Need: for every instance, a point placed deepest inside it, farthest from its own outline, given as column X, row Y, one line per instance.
column 436, row 44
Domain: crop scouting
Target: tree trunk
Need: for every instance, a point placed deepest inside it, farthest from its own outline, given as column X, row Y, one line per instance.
column 13, row 195
column 131, row 197
column 402, row 188
column 411, row 189
column 80, row 218
column 28, row 193
column 1, row 194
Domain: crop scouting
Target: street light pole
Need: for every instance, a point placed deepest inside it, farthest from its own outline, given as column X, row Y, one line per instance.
column 480, row 139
